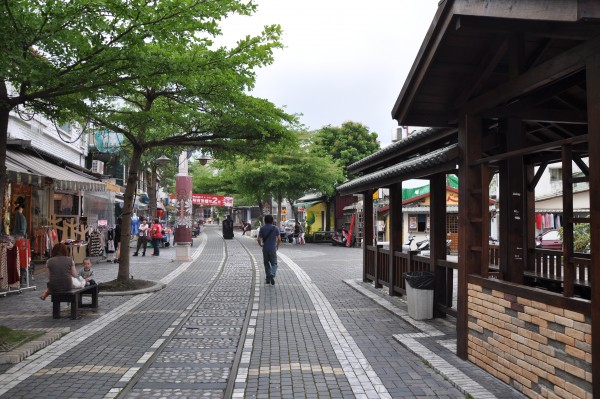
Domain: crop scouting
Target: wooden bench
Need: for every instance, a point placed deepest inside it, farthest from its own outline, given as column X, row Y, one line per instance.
column 74, row 297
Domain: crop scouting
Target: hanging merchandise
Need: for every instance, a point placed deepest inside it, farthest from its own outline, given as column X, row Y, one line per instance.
column 538, row 221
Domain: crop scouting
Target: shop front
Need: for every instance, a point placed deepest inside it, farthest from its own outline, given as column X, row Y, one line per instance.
column 44, row 204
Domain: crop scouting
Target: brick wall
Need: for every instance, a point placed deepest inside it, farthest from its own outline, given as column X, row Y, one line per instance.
column 541, row 350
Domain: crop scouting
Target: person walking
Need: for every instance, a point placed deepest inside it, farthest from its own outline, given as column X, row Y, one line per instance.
column 142, row 241
column 300, row 234
column 269, row 239
column 156, row 237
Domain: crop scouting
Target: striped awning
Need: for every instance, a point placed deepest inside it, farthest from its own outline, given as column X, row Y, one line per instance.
column 30, row 169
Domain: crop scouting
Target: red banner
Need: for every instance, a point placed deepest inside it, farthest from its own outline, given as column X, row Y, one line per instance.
column 211, row 200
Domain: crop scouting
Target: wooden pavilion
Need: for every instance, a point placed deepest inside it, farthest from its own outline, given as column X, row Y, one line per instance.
column 508, row 87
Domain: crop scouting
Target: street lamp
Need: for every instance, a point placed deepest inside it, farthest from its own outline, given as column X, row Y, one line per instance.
column 203, row 159
column 163, row 160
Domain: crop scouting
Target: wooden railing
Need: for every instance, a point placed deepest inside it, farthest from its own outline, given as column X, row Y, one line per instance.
column 377, row 269
column 548, row 272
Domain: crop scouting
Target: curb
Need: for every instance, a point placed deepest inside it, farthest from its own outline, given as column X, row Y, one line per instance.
column 29, row 348
column 154, row 288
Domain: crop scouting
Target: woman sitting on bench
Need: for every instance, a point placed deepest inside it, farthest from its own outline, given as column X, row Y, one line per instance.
column 62, row 274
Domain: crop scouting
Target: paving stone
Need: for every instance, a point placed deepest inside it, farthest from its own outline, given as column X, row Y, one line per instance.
column 311, row 335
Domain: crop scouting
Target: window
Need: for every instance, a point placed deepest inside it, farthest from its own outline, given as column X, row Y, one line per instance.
column 452, row 223
column 555, row 174
column 417, row 222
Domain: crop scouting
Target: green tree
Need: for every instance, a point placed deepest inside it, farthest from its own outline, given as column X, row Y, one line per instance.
column 346, row 144
column 287, row 172
column 56, row 54
column 200, row 104
column 147, row 70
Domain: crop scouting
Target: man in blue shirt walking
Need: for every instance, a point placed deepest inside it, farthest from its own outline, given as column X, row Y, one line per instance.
column 269, row 240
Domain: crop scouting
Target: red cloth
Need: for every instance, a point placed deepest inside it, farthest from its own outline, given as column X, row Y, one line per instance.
column 24, row 247
column 12, row 267
column 538, row 221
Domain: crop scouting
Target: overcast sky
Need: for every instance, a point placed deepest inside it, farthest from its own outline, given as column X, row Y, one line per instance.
column 343, row 60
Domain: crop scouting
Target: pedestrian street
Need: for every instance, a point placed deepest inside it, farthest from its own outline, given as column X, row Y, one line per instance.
column 216, row 330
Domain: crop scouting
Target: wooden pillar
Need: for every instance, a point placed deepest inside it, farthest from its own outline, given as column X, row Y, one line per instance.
column 530, row 204
column 395, row 230
column 437, row 236
column 513, row 210
column 567, row 200
column 469, row 219
column 368, row 228
column 593, row 112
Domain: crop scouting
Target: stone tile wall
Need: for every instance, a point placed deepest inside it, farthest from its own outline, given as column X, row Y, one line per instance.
column 541, row 350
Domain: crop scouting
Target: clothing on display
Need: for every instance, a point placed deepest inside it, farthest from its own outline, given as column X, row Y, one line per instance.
column 135, row 224
column 546, row 221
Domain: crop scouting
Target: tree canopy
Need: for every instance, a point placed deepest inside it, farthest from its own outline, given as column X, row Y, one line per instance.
column 346, row 144
column 288, row 172
column 57, row 56
column 147, row 70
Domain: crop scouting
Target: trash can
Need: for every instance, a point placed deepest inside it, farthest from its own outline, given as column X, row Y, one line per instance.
column 419, row 294
column 228, row 228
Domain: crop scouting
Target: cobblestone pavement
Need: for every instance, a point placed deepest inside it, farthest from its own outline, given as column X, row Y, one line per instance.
column 217, row 330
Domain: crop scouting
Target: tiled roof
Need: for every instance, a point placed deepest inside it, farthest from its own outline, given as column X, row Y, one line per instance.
column 394, row 147
column 396, row 172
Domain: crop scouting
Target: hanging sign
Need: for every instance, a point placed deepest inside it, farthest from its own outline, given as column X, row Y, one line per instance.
column 211, row 200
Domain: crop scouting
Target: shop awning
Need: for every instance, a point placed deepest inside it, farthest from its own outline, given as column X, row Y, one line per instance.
column 26, row 168
column 305, row 204
column 424, row 165
column 19, row 174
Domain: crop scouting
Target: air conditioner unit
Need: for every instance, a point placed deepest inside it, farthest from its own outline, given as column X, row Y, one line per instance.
column 98, row 167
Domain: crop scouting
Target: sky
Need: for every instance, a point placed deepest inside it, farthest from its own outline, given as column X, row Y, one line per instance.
column 344, row 60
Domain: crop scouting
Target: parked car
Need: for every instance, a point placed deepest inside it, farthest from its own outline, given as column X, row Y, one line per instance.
column 550, row 239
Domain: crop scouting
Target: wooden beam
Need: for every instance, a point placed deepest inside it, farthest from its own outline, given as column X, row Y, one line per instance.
column 567, row 204
column 470, row 190
column 532, row 25
column 420, row 67
column 367, row 228
column 533, row 183
column 533, row 149
column 395, row 231
column 584, row 168
column 513, row 216
column 540, row 115
column 530, row 210
column 487, row 65
column 531, row 101
column 593, row 107
column 569, row 62
column 437, row 236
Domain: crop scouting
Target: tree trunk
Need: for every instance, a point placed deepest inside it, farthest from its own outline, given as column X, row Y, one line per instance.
column 130, row 190
column 4, row 116
column 152, row 192
column 261, row 217
column 327, row 214
column 279, row 201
